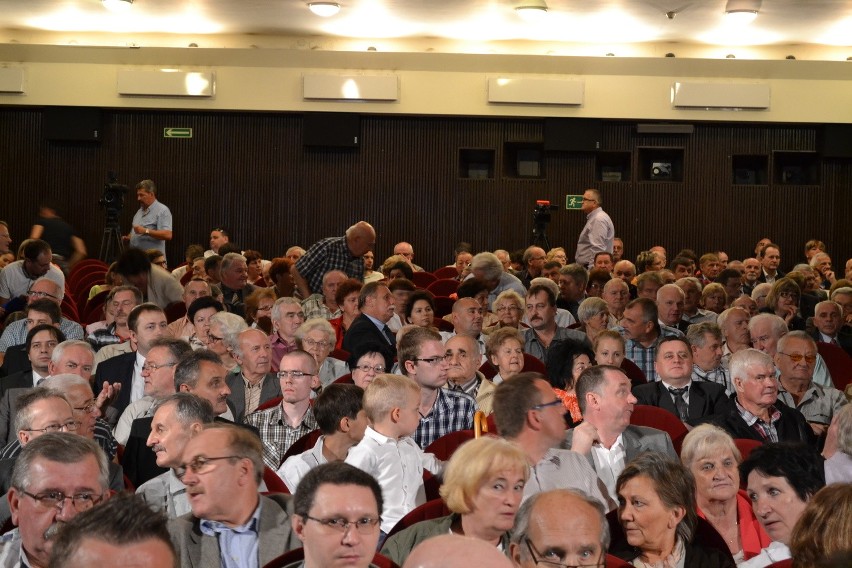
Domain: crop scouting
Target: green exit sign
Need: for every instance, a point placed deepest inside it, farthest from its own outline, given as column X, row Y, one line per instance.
column 573, row 201
column 177, row 132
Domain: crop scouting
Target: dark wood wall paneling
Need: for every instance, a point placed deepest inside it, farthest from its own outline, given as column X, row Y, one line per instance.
column 251, row 173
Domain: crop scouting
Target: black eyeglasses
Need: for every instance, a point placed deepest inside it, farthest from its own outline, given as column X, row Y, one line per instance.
column 201, row 464
column 433, row 360
column 555, row 562
column 555, row 402
column 56, row 499
column 364, row 525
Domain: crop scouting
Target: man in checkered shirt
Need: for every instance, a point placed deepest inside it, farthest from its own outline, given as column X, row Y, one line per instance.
column 334, row 253
column 285, row 423
column 423, row 357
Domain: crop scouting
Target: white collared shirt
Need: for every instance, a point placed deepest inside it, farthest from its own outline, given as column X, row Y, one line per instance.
column 37, row 378
column 398, row 467
column 609, row 463
column 137, row 386
column 668, row 386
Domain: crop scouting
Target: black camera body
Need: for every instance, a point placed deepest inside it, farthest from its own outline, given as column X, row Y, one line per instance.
column 112, row 199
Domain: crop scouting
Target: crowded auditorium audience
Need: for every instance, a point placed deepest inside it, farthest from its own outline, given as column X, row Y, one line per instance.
column 510, row 408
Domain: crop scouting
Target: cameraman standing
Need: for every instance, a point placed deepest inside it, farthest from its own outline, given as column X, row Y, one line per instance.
column 152, row 223
column 598, row 234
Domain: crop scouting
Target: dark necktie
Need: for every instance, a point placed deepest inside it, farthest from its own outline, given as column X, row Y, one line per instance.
column 680, row 404
column 389, row 335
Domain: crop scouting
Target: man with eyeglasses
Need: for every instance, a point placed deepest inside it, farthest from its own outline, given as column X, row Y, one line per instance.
column 757, row 413
column 119, row 302
column 533, row 260
column 177, row 419
column 529, row 414
column 18, row 277
column 376, row 303
column 285, row 423
column 423, row 357
column 598, row 232
column 336, row 516
column 254, row 383
column 223, row 468
column 147, row 322
column 796, row 359
column 43, row 290
column 765, row 330
column 545, row 536
column 58, row 475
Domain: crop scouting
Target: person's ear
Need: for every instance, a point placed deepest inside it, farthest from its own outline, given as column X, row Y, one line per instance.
column 344, row 424
column 395, row 414
column 298, row 525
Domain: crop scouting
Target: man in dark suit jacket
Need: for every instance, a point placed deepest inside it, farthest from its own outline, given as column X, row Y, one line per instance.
column 770, row 259
column 829, row 328
column 253, row 353
column 147, row 322
column 757, row 413
column 370, row 328
column 15, row 361
column 230, row 492
column 674, row 367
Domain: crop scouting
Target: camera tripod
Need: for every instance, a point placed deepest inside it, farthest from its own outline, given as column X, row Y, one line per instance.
column 111, row 244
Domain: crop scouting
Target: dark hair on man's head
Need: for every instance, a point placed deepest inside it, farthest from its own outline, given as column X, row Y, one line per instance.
column 229, row 247
column 538, row 289
column 681, row 261
column 59, row 447
column 57, row 334
column 187, row 369
column 124, row 519
column 137, row 294
column 513, row 399
column 201, row 303
column 212, row 262
column 799, row 464
column 45, row 306
column 336, row 402
column 368, row 291
column 33, row 248
column 648, row 309
column 592, row 380
column 133, row 262
column 133, row 317
column 768, row 245
column 401, row 284
column 726, row 275
column 334, row 473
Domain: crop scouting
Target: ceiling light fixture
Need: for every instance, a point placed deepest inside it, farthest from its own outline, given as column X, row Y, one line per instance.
column 532, row 10
column 324, row 9
column 742, row 12
column 117, row 6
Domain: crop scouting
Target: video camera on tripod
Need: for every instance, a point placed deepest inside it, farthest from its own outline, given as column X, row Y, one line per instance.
column 112, row 202
column 541, row 217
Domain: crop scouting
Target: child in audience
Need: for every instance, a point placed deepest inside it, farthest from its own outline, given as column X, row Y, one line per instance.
column 342, row 421
column 387, row 451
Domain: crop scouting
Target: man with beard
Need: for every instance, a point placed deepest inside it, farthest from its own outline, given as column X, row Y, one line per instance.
column 50, row 470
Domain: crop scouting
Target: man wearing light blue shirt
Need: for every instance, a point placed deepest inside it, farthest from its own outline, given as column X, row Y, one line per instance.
column 152, row 223
column 598, row 233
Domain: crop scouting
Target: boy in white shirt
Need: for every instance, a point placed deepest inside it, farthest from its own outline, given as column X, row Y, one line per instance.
column 387, row 451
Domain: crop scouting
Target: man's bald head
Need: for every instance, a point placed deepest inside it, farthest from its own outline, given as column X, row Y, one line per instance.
column 360, row 238
column 454, row 551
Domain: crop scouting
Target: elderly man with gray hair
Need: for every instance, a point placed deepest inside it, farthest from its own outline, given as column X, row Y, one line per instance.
column 57, row 476
column 766, row 330
column 757, row 413
column 544, row 533
column 706, row 341
column 235, row 286
column 487, row 268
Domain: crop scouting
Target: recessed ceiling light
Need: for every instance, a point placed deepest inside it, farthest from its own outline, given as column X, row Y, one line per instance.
column 117, row 6
column 324, row 9
column 531, row 10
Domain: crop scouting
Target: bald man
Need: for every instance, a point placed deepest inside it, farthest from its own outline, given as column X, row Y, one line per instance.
column 334, row 253
column 454, row 551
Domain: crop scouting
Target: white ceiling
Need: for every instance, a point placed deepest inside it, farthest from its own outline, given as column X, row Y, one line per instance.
column 436, row 25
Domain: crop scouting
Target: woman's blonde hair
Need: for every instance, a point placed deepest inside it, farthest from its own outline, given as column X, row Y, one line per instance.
column 473, row 464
